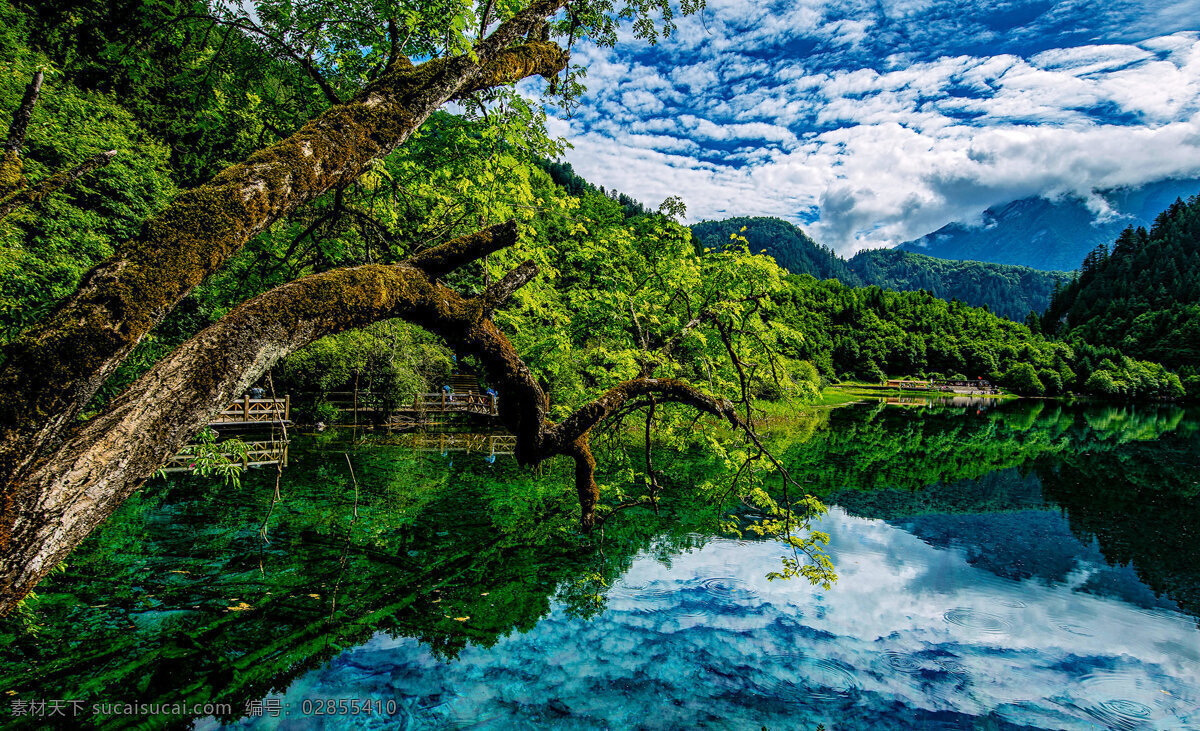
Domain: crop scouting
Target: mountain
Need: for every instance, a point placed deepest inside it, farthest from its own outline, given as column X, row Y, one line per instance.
column 1050, row 234
column 791, row 247
column 1008, row 291
column 1143, row 296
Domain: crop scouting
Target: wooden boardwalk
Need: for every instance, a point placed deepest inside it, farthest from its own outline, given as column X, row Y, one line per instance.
column 425, row 409
column 255, row 412
column 451, row 403
column 258, row 454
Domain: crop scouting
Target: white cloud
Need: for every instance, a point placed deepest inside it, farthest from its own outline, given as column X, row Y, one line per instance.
column 884, row 147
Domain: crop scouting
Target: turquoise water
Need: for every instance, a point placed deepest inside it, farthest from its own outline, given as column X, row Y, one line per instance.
column 1025, row 566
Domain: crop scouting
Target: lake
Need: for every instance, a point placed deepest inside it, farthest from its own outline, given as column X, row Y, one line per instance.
column 1002, row 565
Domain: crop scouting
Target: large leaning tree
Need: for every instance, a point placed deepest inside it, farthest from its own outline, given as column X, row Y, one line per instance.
column 62, row 475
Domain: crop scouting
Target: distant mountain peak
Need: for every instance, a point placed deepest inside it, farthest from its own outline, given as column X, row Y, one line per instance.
column 1051, row 233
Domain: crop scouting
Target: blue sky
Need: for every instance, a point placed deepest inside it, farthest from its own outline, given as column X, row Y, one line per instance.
column 871, row 122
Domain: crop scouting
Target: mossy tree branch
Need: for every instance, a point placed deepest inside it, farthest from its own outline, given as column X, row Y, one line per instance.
column 55, row 368
column 11, row 169
column 15, row 191
column 441, row 260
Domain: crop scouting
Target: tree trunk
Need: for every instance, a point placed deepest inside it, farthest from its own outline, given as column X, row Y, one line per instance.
column 52, row 371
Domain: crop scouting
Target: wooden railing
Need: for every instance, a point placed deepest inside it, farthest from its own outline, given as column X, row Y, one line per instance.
column 255, row 411
column 365, row 403
column 257, row 454
column 470, row 403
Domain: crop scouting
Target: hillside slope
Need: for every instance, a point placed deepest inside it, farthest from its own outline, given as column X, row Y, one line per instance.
column 1009, row 291
column 793, row 249
column 1006, row 290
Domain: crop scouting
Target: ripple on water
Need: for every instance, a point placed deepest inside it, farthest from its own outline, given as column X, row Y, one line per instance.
column 1013, row 604
column 903, row 662
column 648, row 591
column 1123, row 701
column 1075, row 629
column 674, row 611
column 800, row 679
column 977, row 620
column 657, row 598
column 952, row 666
column 1121, row 713
column 725, row 587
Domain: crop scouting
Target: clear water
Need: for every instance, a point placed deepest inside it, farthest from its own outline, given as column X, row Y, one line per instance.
column 1027, row 566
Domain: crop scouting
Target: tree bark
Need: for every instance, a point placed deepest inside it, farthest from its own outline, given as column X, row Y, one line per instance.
column 34, row 193
column 11, row 167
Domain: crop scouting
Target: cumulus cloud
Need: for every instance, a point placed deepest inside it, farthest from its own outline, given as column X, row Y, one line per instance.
column 875, row 123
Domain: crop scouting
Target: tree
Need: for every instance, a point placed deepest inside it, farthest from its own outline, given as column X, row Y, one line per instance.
column 62, row 475
column 1023, row 379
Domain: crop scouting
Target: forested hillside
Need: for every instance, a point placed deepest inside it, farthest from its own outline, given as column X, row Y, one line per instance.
column 789, row 245
column 868, row 332
column 1009, row 291
column 1142, row 296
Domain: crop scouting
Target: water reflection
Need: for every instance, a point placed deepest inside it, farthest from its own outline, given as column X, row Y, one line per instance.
column 913, row 635
column 1032, row 565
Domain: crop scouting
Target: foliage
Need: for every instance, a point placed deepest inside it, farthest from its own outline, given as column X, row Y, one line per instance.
column 1023, row 380
column 1134, row 379
column 390, row 359
column 865, row 332
column 862, row 333
column 46, row 248
column 218, row 459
